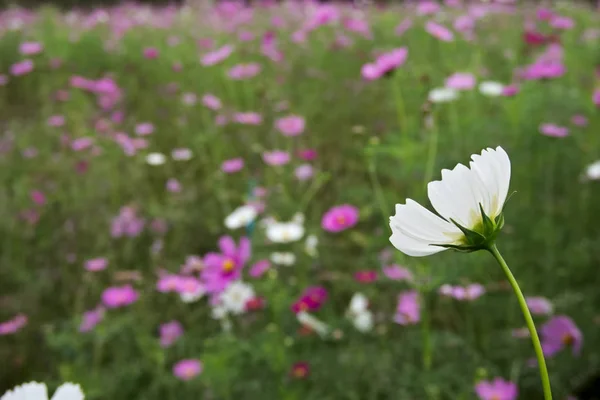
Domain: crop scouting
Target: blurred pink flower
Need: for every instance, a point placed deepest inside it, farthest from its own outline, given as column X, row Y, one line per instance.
column 498, row 389
column 222, row 268
column 189, row 98
column 560, row 22
column 247, row 118
column 30, row 48
column 150, row 53
column 169, row 333
column 510, row 90
column 56, row 120
column 397, row 273
column 307, row 154
column 187, row 369
column 259, row 268
column 544, row 14
column 168, row 283
column 366, row 276
column 91, row 318
column 596, row 97
column 127, row 223
column 119, row 296
column 461, row 81
column 173, row 185
column 13, row 325
column 232, row 165
column 144, row 128
column 340, row 218
column 408, row 311
column 21, row 68
column 312, row 299
column 356, row 25
column 544, row 70
column 439, row 31
column 304, row 172
column 539, row 305
column 554, row 130
column 579, row 120
column 96, row 264
column 384, row 64
column 291, row 125
column 211, row 101
column 244, row 71
column 216, row 56
column 3, row 79
column 245, row 36
column 81, row 143
column 38, row 197
column 403, row 26
column 558, row 333
column 427, row 8
column 276, row 157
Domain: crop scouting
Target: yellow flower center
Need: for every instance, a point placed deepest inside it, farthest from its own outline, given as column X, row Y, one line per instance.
column 340, row 219
column 228, row 265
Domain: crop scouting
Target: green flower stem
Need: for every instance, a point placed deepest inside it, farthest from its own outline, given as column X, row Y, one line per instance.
column 530, row 325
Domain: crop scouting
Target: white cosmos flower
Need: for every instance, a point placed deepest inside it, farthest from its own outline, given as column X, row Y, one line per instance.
column 219, row 312
column 286, row 259
column 491, row 88
column 156, row 159
column 310, row 245
column 442, row 95
column 241, row 217
column 592, row 171
column 359, row 313
column 363, row 321
column 358, row 303
column 236, row 296
column 313, row 323
column 284, row 232
column 38, row 391
column 460, row 196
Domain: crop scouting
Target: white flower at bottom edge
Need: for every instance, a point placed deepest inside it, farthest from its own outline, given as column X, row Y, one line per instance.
column 241, row 217
column 286, row 259
column 235, row 297
column 38, row 391
column 459, row 198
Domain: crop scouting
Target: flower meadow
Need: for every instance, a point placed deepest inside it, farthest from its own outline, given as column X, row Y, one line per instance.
column 196, row 200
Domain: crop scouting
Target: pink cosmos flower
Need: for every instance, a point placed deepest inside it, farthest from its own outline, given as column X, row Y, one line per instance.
column 307, row 154
column 579, row 120
column 13, row 325
column 150, row 53
column 498, row 389
column 38, row 197
column 304, row 172
column 211, row 101
column 189, row 285
column 119, row 296
column 461, row 81
column 562, row 23
column 127, row 223
column 173, row 185
column 30, row 48
column 340, row 218
column 539, row 305
column 544, row 14
column 216, row 56
column 91, row 318
column 187, row 369
column 397, row 273
column 247, row 118
column 144, row 128
column 56, row 120
column 21, row 68
column 439, row 31
column 168, row 283
column 359, row 26
column 259, row 268
column 510, row 90
column 222, row 268
column 96, row 264
column 544, row 70
column 232, row 165
column 408, row 311
column 291, row 125
column 82, row 143
column 554, row 130
column 311, row 299
column 276, row 157
column 367, row 276
column 427, row 8
column 403, row 27
column 558, row 333
column 244, row 71
column 169, row 333
column 385, row 64
column 596, row 97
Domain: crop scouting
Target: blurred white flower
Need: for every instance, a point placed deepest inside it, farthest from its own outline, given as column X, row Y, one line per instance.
column 491, row 88
column 460, row 198
column 219, row 312
column 192, row 297
column 313, row 323
column 298, row 218
column 359, row 313
column 286, row 259
column 241, row 217
column 284, row 232
column 156, row 159
column 442, row 95
column 38, row 391
column 235, row 297
column 592, row 171
column 363, row 322
column 358, row 304
column 310, row 246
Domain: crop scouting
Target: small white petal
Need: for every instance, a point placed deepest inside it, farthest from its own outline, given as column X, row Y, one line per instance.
column 68, row 391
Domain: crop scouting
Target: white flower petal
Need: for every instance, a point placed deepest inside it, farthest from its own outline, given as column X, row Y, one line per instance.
column 68, row 391
column 358, row 303
column 493, row 167
column 31, row 390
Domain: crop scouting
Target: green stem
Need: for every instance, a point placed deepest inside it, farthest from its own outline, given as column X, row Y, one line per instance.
column 528, row 319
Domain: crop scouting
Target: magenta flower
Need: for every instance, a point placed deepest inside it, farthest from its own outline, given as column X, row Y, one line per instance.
column 188, row 285
column 554, row 130
column 247, row 118
column 168, row 283
column 96, row 264
column 187, row 369
column 596, row 97
column 544, row 14
column 408, row 311
column 127, row 223
column 211, row 101
column 169, row 333
column 3, row 79
column 30, row 48
column 510, row 90
column 232, row 165
column 173, row 185
column 539, row 305
column 498, row 389
column 82, row 143
column 544, row 70
column 244, row 71
column 300, row 370
column 461, row 81
column 397, row 273
column 150, row 53
column 427, row 8
column 307, row 154
column 367, row 276
column 21, row 68
column 91, row 318
column 144, row 128
column 222, row 268
column 579, row 120
column 119, row 296
column 259, row 268
column 292, row 125
column 38, row 197
column 13, row 325
column 311, row 300
column 340, row 218
column 56, row 120
column 216, row 56
column 562, row 23
column 439, row 31
column 385, row 64
column 276, row 157
column 558, row 333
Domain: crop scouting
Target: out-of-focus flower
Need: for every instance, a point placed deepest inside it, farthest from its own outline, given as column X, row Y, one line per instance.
column 96, row 264
column 313, row 323
column 211, row 101
column 276, row 157
column 169, row 333
column 385, row 64
column 539, row 305
column 91, row 318
column 182, row 154
column 284, row 232
column 215, row 57
column 439, row 31
column 460, row 81
column 21, row 68
column 408, row 311
column 220, row 269
column 359, row 313
column 241, row 217
column 300, row 370
column 119, row 296
column 558, row 333
column 283, row 258
column 39, row 391
column 235, row 297
column 592, row 171
column 554, row 130
column 244, row 71
column 366, row 276
column 156, row 159
column 187, row 369
column 259, row 268
column 310, row 245
column 340, row 218
column 30, row 48
column 498, row 389
column 491, row 88
column 397, row 273
column 291, row 125
column 232, row 165
column 13, row 325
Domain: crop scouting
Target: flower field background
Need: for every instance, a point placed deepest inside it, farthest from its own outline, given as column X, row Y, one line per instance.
column 195, row 201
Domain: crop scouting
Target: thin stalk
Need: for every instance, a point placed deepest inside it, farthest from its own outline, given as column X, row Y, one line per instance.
column 537, row 346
